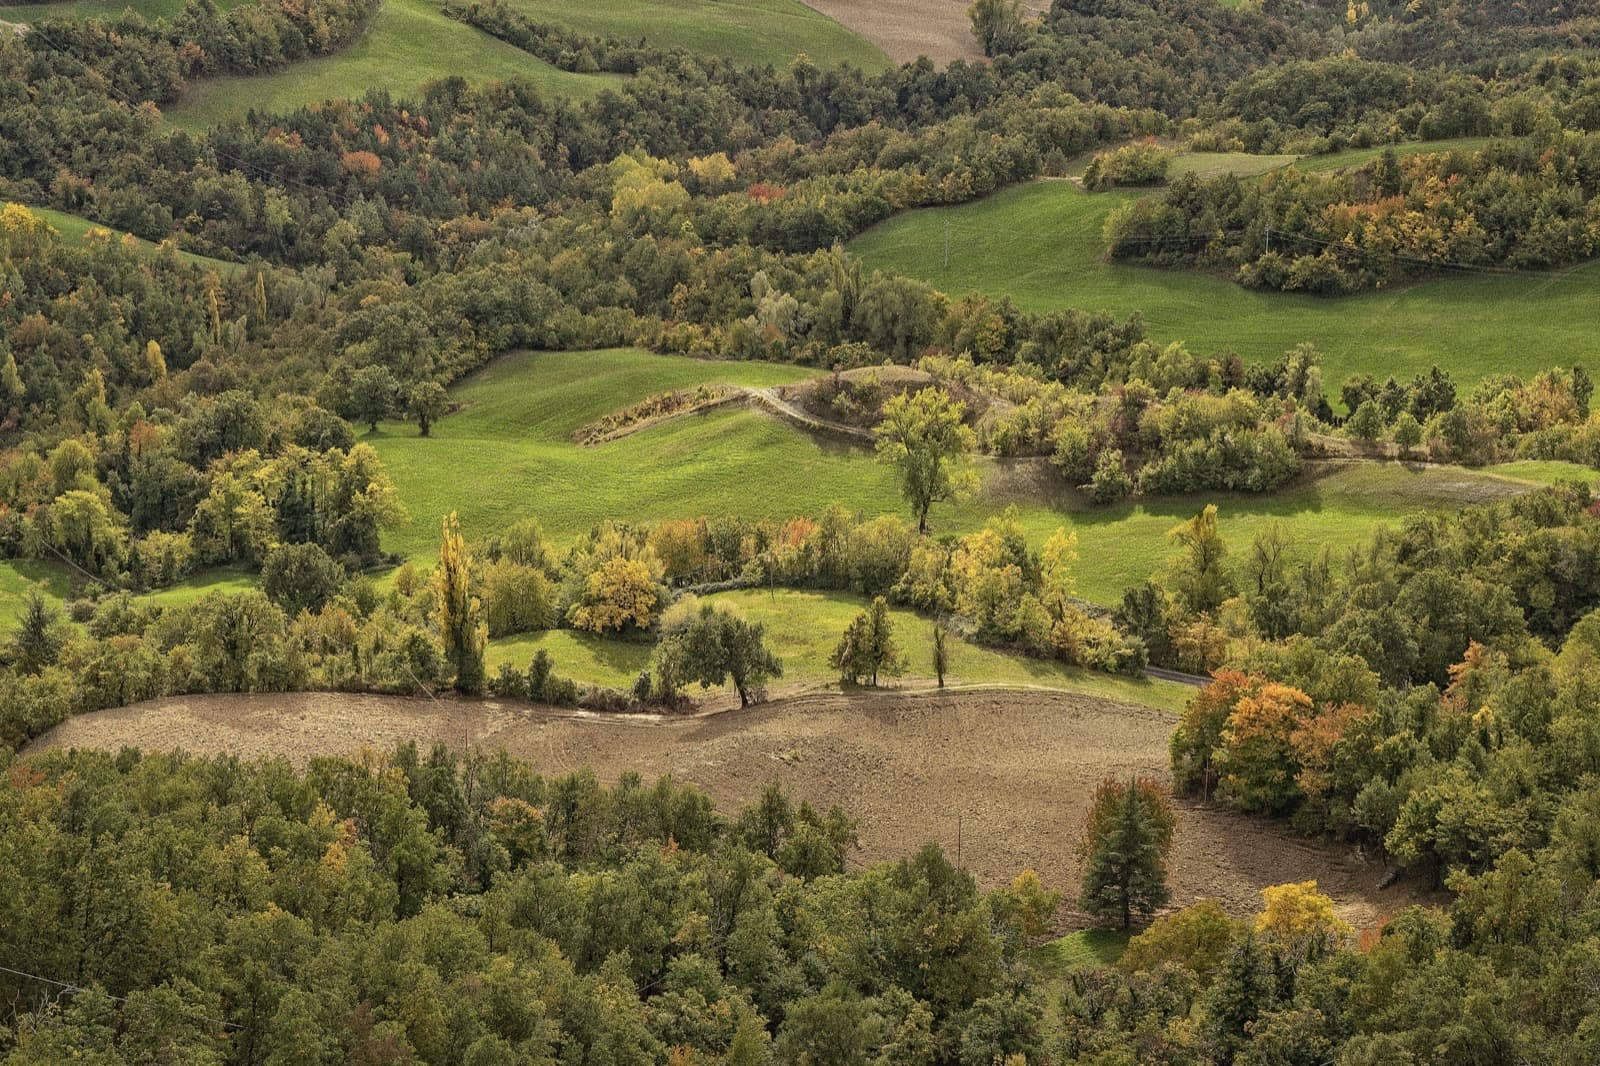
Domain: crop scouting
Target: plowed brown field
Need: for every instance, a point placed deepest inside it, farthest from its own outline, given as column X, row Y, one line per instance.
column 1010, row 772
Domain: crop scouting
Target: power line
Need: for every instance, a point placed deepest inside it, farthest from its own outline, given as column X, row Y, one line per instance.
column 67, row 986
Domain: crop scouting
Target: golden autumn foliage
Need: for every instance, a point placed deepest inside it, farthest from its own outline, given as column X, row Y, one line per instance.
column 620, row 593
column 460, row 614
column 1297, row 913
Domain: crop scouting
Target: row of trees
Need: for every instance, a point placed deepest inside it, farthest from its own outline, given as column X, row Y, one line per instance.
column 1513, row 203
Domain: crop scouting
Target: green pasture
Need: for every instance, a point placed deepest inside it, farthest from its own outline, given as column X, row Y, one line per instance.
column 1082, row 950
column 749, row 32
column 150, row 9
column 408, row 44
column 506, row 455
column 804, row 626
column 1042, row 244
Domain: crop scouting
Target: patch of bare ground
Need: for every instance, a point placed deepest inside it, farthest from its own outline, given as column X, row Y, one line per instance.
column 1002, row 778
column 906, row 29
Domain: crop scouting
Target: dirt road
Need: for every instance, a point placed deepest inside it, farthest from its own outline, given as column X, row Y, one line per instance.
column 1009, row 773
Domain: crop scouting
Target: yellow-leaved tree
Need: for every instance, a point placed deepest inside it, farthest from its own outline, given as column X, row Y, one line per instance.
column 461, row 622
column 1297, row 914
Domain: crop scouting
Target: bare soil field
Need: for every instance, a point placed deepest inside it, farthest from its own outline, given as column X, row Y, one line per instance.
column 906, row 29
column 1002, row 777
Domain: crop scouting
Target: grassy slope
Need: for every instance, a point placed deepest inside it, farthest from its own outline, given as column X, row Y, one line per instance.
column 409, row 43
column 804, row 626
column 1216, row 164
column 755, row 32
column 1041, row 244
column 75, row 228
column 506, row 456
column 151, row 9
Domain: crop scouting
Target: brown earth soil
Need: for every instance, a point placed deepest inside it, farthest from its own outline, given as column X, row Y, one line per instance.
column 906, row 29
column 1002, row 777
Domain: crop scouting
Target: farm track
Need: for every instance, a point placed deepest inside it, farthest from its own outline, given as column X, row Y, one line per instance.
column 1003, row 777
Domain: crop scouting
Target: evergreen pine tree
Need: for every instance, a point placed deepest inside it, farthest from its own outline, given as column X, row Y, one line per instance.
column 1243, row 990
column 1124, row 850
column 38, row 640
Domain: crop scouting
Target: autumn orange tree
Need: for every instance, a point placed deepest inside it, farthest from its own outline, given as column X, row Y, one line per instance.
column 1257, row 758
column 1199, row 734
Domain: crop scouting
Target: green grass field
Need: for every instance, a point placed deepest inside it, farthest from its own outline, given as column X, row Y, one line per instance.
column 756, row 32
column 408, row 44
column 506, row 456
column 1042, row 244
column 1084, row 949
column 75, row 228
column 803, row 627
column 1216, row 164
column 151, row 9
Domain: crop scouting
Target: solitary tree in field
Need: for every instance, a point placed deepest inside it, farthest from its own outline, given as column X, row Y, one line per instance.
column 1124, row 850
column 427, row 402
column 1199, row 575
column 923, row 437
column 867, row 650
column 461, row 623
column 716, row 646
column 941, row 653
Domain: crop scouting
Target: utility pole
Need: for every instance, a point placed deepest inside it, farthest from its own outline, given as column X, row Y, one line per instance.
column 946, row 244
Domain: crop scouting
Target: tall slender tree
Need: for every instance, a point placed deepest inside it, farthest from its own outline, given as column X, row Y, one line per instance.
column 461, row 621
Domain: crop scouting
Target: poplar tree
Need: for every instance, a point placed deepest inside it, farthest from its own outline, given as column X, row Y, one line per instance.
column 461, row 622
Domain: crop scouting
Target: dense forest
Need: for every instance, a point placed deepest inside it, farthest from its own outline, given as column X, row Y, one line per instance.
column 200, row 393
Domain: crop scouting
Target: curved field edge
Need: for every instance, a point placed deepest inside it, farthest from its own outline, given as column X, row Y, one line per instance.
column 749, row 32
column 1042, row 245
column 407, row 44
column 510, row 440
column 1011, row 772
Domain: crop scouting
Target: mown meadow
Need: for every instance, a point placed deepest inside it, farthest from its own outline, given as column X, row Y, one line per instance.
column 1042, row 245
column 409, row 43
column 510, row 443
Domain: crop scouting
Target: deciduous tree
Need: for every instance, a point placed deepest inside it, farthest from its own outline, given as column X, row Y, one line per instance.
column 923, row 436
column 460, row 614
column 867, row 649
